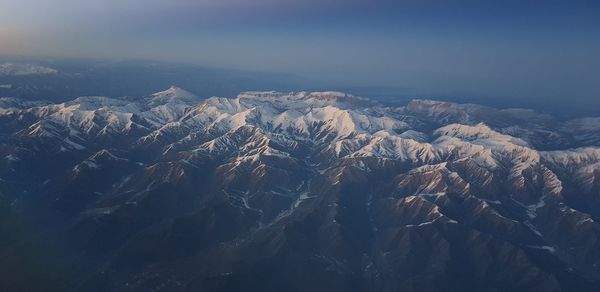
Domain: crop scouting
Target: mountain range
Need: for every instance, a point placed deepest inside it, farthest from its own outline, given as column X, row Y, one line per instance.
column 300, row 191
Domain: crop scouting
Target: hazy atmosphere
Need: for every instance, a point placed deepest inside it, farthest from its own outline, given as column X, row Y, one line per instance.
column 512, row 49
column 300, row 145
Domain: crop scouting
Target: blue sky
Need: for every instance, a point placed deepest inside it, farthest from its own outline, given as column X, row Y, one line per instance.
column 453, row 47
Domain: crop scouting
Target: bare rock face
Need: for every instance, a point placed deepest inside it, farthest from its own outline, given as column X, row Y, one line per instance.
column 300, row 191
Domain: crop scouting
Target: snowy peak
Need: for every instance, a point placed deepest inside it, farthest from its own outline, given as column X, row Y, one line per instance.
column 573, row 157
column 478, row 132
column 173, row 95
column 303, row 99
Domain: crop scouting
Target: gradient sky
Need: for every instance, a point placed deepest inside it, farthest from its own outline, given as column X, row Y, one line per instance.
column 480, row 47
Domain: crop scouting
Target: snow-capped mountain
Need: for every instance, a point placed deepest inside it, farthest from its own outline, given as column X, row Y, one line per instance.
column 175, row 192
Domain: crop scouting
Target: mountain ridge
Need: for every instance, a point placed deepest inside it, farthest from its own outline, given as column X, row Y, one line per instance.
column 190, row 194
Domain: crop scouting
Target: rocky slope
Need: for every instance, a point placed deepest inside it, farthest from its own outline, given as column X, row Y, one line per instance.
column 302, row 191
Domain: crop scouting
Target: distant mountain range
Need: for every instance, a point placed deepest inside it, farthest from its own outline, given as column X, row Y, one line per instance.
column 301, row 191
column 19, row 69
column 60, row 80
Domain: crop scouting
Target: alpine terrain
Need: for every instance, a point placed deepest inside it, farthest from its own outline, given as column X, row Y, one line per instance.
column 300, row 191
